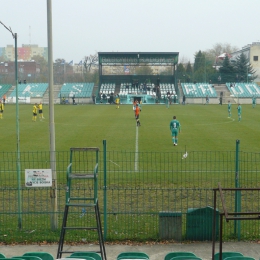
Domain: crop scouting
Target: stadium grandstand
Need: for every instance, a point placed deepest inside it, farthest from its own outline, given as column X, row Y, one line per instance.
column 131, row 85
column 108, row 88
column 28, row 91
column 198, row 90
column 4, row 89
column 79, row 90
column 244, row 90
column 149, row 77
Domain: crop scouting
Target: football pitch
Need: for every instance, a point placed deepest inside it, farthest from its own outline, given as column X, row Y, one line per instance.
column 162, row 181
column 203, row 128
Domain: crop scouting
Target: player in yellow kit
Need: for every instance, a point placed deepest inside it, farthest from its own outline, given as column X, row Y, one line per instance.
column 117, row 101
column 40, row 111
column 1, row 109
column 34, row 112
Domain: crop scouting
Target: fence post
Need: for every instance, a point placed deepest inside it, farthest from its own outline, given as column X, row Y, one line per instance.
column 105, row 187
column 237, row 193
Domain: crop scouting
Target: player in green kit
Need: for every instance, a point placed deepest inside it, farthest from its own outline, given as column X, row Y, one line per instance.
column 167, row 101
column 253, row 101
column 229, row 109
column 175, row 128
column 239, row 112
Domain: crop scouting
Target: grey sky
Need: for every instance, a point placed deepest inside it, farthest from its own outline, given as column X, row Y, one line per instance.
column 83, row 27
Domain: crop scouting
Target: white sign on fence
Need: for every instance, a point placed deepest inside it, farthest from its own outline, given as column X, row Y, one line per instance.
column 38, row 178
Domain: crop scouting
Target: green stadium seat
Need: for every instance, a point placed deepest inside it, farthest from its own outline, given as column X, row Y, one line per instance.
column 85, row 257
column 246, row 90
column 79, row 90
column 6, row 258
column 94, row 255
column 30, row 90
column 175, row 254
column 227, row 254
column 132, row 255
column 2, row 255
column 186, row 258
column 28, row 257
column 4, row 89
column 42, row 255
column 239, row 258
column 198, row 90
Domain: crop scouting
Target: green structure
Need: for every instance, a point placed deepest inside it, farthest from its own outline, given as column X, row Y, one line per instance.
column 199, row 224
column 135, row 75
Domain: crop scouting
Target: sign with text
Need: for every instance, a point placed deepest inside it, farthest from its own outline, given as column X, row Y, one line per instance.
column 38, row 178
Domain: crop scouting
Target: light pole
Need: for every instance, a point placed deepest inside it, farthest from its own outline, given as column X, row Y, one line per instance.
column 54, row 199
column 17, row 131
column 205, row 71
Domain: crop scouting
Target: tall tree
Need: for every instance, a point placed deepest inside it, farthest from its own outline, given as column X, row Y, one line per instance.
column 188, row 72
column 199, row 61
column 181, row 72
column 227, row 71
column 204, row 68
column 243, row 69
column 199, row 68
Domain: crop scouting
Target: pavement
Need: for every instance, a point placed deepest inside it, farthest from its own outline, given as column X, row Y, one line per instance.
column 155, row 251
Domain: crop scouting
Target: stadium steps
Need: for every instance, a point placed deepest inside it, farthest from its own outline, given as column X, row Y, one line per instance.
column 222, row 88
column 180, row 90
column 226, row 93
column 56, row 91
column 95, row 91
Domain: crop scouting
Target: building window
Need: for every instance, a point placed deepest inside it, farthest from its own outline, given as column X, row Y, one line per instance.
column 255, row 58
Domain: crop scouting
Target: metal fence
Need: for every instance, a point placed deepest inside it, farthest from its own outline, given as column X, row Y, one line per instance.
column 136, row 190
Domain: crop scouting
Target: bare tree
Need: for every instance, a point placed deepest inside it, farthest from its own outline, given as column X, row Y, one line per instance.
column 90, row 61
column 220, row 48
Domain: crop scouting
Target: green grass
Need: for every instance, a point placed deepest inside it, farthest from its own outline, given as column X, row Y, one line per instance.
column 204, row 128
column 163, row 180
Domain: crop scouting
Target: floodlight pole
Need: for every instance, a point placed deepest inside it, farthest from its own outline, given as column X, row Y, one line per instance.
column 18, row 137
column 53, row 193
column 205, row 71
column 18, row 171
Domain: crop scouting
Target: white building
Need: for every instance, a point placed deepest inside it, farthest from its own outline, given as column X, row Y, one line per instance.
column 252, row 52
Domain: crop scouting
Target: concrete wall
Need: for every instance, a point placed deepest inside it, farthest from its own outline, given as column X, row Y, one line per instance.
column 255, row 52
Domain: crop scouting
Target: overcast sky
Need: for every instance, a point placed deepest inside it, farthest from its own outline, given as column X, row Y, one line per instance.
column 84, row 27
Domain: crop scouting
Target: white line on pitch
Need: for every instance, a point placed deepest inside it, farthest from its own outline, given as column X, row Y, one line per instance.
column 136, row 149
